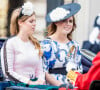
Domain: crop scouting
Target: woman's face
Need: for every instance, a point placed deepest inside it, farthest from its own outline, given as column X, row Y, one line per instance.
column 29, row 25
column 65, row 26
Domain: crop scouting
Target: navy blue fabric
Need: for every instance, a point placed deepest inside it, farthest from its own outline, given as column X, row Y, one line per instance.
column 86, row 45
column 2, row 40
column 85, row 69
column 1, row 75
column 21, row 88
column 3, row 85
column 95, row 48
column 86, row 62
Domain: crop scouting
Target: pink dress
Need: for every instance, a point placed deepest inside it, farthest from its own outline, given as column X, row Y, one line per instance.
column 22, row 61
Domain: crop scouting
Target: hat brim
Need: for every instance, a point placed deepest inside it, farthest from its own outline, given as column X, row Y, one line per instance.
column 72, row 7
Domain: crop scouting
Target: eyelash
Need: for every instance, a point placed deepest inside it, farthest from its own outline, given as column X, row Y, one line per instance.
column 32, row 21
column 68, row 21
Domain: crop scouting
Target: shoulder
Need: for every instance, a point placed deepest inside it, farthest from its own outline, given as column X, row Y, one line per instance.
column 77, row 47
column 45, row 41
column 11, row 41
column 46, row 45
column 75, row 43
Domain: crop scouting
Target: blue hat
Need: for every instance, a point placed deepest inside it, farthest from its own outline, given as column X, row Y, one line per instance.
column 63, row 12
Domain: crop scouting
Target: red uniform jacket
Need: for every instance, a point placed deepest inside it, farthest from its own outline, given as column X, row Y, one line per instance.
column 83, row 81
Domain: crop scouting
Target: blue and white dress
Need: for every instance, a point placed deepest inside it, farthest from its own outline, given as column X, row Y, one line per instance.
column 58, row 55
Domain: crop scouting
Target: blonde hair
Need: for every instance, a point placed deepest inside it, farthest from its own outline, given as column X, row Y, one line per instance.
column 52, row 29
column 14, row 28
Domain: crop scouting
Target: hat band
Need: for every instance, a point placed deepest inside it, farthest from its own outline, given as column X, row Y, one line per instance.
column 20, row 15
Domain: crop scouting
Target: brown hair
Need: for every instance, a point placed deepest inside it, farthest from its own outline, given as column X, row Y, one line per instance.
column 52, row 29
column 14, row 30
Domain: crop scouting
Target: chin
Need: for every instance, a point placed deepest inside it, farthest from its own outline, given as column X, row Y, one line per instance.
column 31, row 33
column 66, row 32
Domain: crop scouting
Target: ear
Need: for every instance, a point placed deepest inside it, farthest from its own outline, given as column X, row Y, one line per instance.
column 19, row 22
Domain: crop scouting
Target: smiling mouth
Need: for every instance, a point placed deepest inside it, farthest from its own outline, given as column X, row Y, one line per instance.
column 67, row 29
column 33, row 29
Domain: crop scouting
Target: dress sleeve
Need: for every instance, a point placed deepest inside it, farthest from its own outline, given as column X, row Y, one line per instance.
column 39, row 71
column 47, row 51
column 9, row 63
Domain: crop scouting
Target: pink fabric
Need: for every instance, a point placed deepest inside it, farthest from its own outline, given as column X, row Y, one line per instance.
column 23, row 60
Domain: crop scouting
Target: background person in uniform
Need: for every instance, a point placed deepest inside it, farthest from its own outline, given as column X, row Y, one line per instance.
column 93, row 44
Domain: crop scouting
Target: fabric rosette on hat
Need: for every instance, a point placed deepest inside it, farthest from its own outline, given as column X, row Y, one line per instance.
column 63, row 12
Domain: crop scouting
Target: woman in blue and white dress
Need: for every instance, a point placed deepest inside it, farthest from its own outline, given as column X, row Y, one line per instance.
column 60, row 52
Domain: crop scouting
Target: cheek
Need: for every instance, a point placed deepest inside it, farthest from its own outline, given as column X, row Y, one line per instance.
column 28, row 25
column 71, row 26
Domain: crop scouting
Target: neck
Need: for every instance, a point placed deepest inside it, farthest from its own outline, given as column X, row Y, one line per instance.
column 62, row 38
column 23, row 36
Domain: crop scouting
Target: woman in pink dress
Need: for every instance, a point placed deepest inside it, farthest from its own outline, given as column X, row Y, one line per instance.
column 21, row 54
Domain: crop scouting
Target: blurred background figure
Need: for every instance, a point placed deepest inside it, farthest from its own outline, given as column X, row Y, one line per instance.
column 93, row 44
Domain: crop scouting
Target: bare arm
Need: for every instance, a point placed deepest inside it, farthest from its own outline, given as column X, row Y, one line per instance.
column 52, row 80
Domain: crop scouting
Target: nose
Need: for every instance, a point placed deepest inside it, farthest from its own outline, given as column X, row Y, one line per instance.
column 34, row 24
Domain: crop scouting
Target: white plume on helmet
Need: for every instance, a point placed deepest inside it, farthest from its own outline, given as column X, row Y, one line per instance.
column 93, row 36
